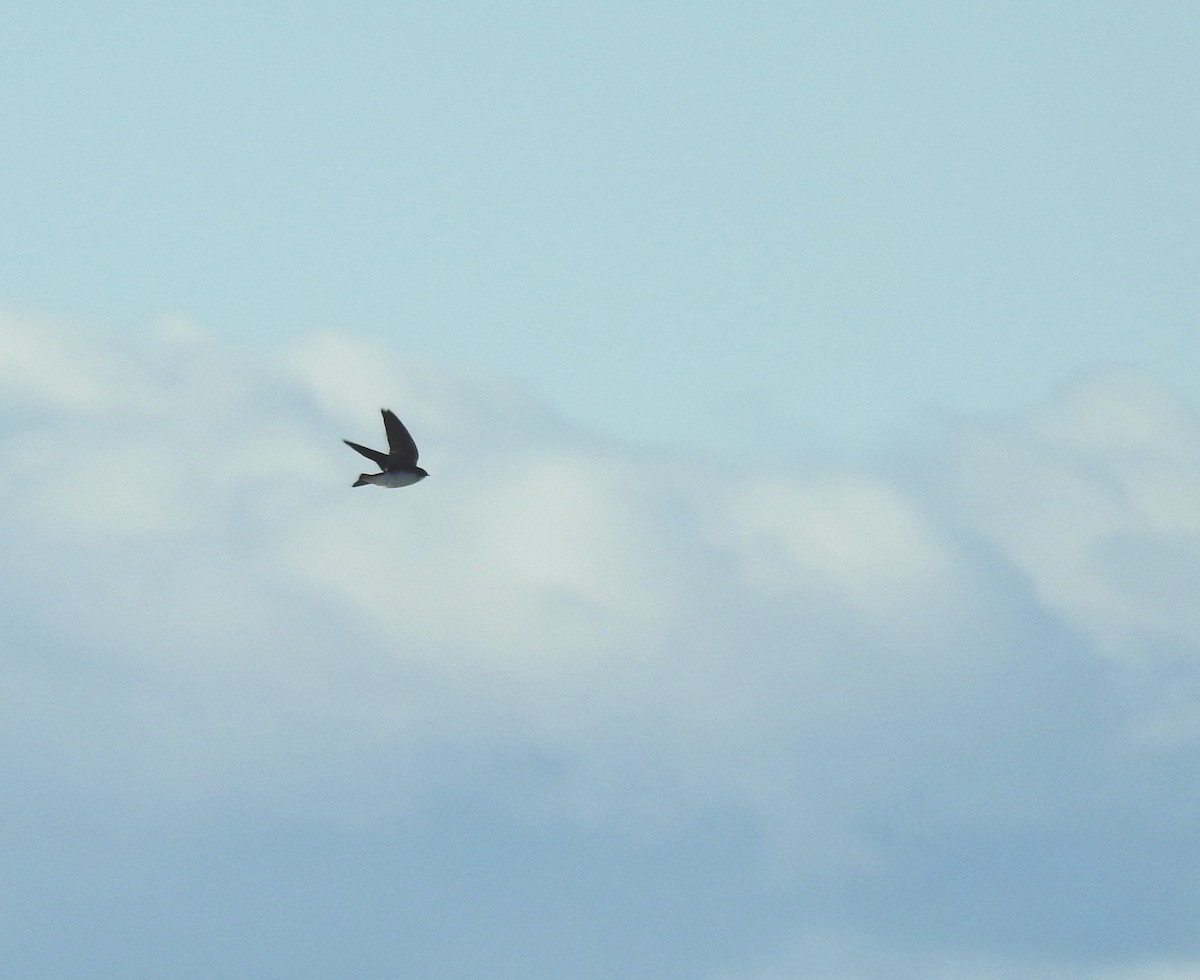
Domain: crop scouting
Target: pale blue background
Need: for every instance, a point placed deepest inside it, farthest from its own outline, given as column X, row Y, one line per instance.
column 768, row 233
column 789, row 224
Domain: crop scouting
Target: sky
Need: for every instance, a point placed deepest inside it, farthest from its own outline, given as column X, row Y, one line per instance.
column 806, row 581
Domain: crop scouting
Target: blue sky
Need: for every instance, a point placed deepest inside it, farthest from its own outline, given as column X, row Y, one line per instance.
column 805, row 585
column 678, row 222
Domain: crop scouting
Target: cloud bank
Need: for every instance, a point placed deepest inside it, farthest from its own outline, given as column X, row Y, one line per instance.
column 702, row 717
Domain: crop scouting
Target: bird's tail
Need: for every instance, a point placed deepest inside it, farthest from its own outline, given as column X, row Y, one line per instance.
column 362, row 481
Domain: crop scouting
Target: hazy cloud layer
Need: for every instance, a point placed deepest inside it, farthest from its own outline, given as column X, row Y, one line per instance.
column 601, row 711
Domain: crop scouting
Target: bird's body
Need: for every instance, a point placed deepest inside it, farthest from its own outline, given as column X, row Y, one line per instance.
column 389, row 478
column 398, row 465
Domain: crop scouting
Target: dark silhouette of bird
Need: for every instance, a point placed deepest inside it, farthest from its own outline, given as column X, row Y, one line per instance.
column 399, row 465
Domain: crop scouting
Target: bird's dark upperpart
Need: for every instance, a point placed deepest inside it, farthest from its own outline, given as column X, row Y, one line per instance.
column 398, row 467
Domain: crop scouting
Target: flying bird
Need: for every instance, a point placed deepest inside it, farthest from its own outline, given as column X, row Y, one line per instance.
column 399, row 465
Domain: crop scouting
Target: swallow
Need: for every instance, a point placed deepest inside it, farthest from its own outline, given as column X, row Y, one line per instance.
column 398, row 465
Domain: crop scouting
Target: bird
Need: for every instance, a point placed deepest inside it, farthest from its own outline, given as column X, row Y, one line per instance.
column 398, row 465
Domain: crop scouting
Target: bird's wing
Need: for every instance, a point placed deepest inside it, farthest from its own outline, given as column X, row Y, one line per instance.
column 404, row 450
column 378, row 458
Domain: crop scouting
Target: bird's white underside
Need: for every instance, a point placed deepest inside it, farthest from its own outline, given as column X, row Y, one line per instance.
column 392, row 479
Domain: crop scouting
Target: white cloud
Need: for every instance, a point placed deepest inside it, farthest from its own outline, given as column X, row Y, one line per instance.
column 208, row 617
column 1095, row 501
column 43, row 365
column 855, row 538
column 844, row 955
column 1113, row 467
